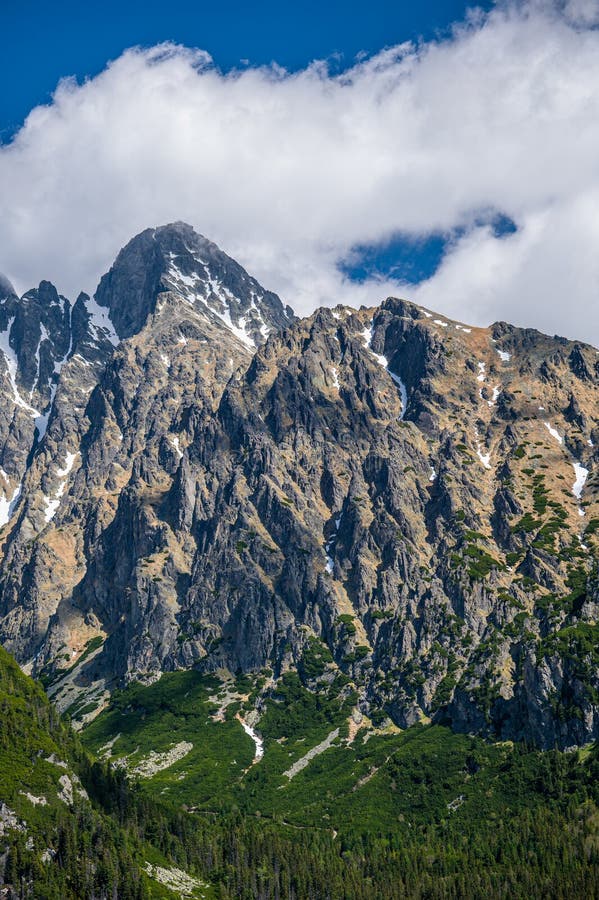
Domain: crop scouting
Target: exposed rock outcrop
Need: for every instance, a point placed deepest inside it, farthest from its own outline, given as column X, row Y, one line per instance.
column 219, row 481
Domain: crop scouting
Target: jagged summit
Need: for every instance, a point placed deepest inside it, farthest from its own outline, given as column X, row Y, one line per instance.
column 175, row 258
column 53, row 351
column 419, row 494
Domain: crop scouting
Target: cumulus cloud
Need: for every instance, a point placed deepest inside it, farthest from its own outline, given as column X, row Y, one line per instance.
column 290, row 171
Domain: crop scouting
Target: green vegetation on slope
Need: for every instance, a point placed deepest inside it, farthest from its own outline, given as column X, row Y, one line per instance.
column 329, row 811
column 176, row 710
column 58, row 844
column 421, row 813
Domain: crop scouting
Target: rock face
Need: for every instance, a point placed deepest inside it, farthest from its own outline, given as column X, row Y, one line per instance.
column 219, row 483
column 175, row 258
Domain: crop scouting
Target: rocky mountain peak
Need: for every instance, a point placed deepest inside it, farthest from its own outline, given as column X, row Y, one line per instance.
column 176, row 259
column 418, row 494
column 6, row 288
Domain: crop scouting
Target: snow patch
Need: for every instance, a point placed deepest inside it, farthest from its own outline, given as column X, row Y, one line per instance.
column 44, row 336
column 189, row 281
column 402, row 390
column 367, row 335
column 481, row 372
column 581, row 475
column 259, row 753
column 100, row 321
column 41, row 420
column 330, row 565
column 10, row 358
column 496, row 393
column 7, row 507
column 68, row 465
column 238, row 330
column 554, row 432
column 503, row 355
column 201, row 288
column 484, row 457
column 52, row 503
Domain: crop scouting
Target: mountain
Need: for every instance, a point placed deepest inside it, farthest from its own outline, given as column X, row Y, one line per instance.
column 116, row 412
column 175, row 259
column 197, row 479
column 319, row 595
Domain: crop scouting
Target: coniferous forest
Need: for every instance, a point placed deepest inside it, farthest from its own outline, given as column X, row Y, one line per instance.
column 530, row 827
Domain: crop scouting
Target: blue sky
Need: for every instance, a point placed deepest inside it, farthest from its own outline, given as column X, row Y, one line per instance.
column 44, row 41
column 459, row 171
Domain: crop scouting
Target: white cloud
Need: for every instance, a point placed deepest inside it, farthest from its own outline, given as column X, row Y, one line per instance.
column 287, row 172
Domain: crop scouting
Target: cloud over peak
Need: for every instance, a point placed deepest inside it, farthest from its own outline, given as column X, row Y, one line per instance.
column 290, row 171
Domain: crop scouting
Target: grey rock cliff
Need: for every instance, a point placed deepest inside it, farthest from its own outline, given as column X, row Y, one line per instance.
column 219, row 481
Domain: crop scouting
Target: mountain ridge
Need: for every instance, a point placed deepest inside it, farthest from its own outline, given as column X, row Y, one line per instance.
column 417, row 493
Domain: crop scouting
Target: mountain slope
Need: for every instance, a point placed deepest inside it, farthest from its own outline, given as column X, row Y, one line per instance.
column 419, row 495
column 374, row 814
column 132, row 398
column 54, row 842
column 424, row 541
